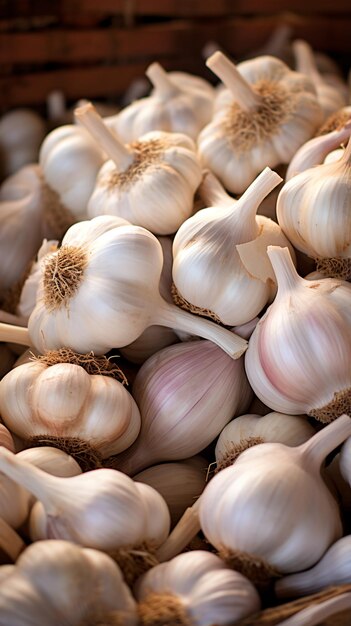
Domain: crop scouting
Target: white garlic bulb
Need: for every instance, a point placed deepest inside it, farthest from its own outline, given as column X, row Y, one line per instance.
column 318, row 150
column 29, row 290
column 70, row 161
column 170, row 107
column 57, row 582
column 313, row 210
column 263, row 117
column 249, row 430
column 195, row 588
column 21, row 133
column 102, row 509
column 101, row 290
column 150, row 182
column 334, row 568
column 258, row 512
column 220, row 255
column 330, row 97
column 58, row 399
column 299, row 356
column 186, row 394
column 180, row 484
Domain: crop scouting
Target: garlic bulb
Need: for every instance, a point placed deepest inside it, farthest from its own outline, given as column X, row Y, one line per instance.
column 186, row 394
column 299, row 356
column 14, row 502
column 334, row 568
column 101, row 290
column 191, row 81
column 57, row 582
column 58, row 399
column 313, row 210
column 258, row 512
column 70, row 161
column 266, row 114
column 51, row 460
column 316, row 150
column 220, row 255
column 155, row 338
column 180, row 484
column 330, row 98
column 7, row 359
column 6, row 438
column 102, row 509
column 21, row 133
column 170, row 107
column 249, row 430
column 150, row 182
column 195, row 588
column 28, row 295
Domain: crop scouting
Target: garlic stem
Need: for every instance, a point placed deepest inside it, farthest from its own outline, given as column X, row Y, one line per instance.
column 305, row 62
column 186, row 529
column 160, row 79
column 346, row 157
column 212, row 191
column 257, row 192
column 316, row 449
column 42, row 485
column 234, row 81
column 10, row 542
column 284, row 269
column 14, row 334
column 172, row 316
column 88, row 116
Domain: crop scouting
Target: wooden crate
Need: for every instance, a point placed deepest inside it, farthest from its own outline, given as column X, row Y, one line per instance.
column 95, row 49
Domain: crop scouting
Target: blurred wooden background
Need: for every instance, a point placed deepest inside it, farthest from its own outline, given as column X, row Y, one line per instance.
column 95, row 48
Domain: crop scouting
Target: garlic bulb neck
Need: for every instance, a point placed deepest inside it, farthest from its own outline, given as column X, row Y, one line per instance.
column 284, row 269
column 305, row 62
column 316, row 449
column 252, row 198
column 233, row 80
column 116, row 150
column 160, row 80
column 212, row 191
column 14, row 334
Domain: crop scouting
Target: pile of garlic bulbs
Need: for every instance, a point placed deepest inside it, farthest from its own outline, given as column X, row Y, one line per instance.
column 141, row 247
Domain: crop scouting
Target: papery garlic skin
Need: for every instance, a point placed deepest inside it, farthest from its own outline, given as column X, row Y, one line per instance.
column 178, row 483
column 54, row 581
column 70, row 161
column 299, row 355
column 201, row 587
column 220, row 259
column 28, row 296
column 334, row 568
column 247, row 430
column 313, row 209
column 110, row 292
column 186, row 393
column 267, row 113
column 170, row 107
column 156, row 191
column 21, row 133
column 261, row 505
column 64, row 401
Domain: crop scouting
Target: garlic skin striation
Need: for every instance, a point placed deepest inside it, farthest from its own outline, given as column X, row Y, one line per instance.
column 264, row 512
column 180, row 483
column 63, row 404
column 266, row 113
column 150, row 182
column 170, row 107
column 195, row 588
column 330, row 97
column 100, row 290
column 56, row 582
column 313, row 210
column 102, row 509
column 70, row 161
column 220, row 255
column 318, row 150
column 299, row 355
column 186, row 394
column 248, row 430
column 333, row 569
column 21, row 133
